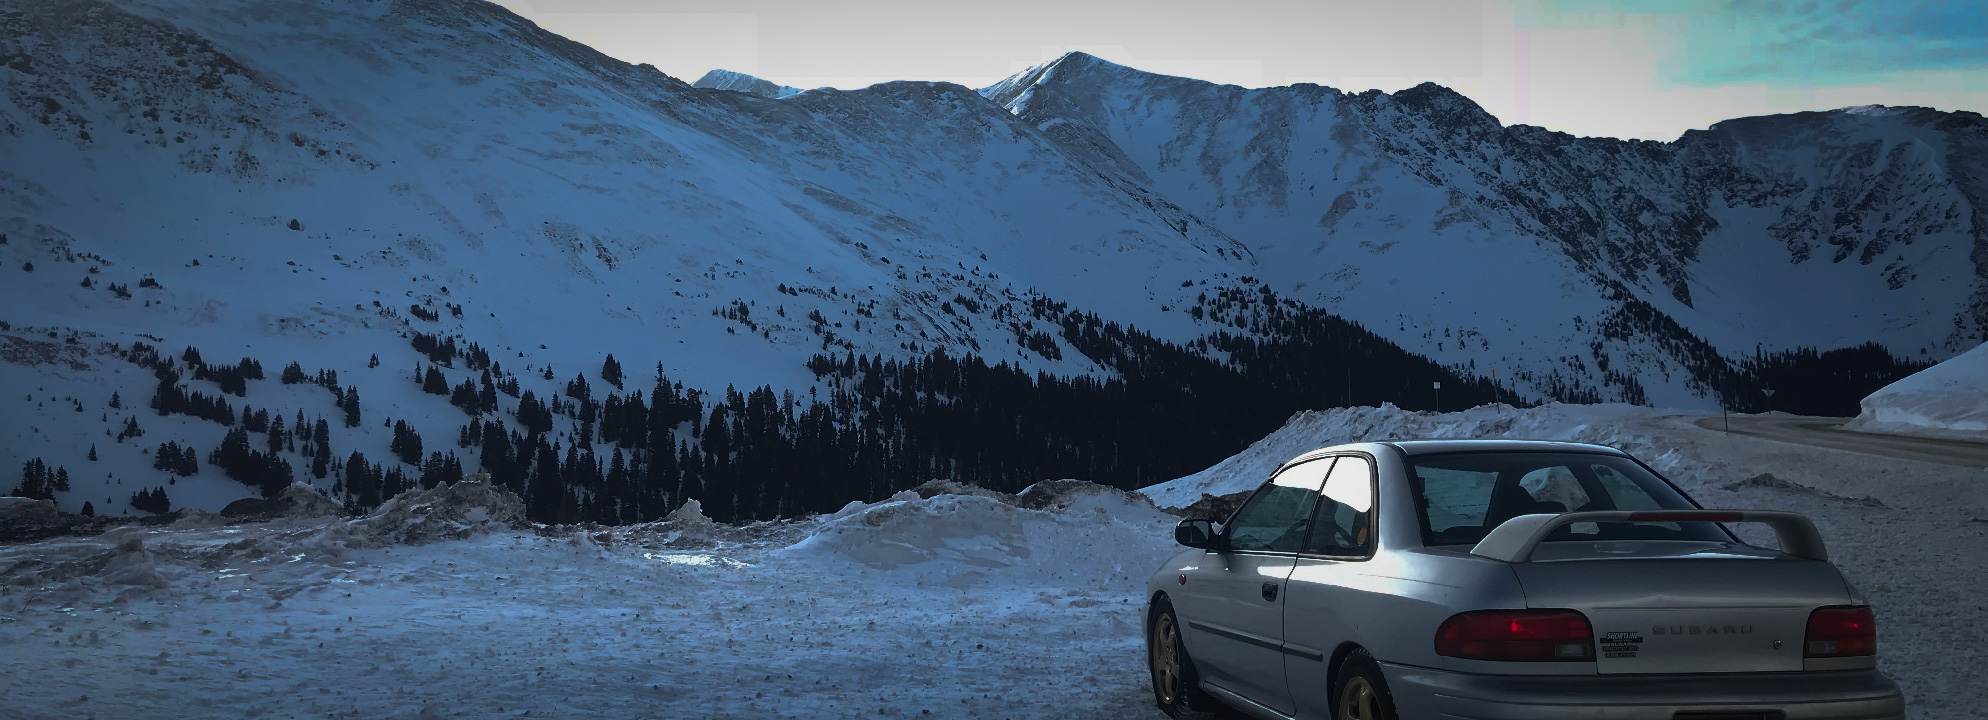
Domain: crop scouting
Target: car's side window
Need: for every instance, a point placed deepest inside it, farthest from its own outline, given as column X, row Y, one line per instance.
column 1276, row 517
column 1343, row 524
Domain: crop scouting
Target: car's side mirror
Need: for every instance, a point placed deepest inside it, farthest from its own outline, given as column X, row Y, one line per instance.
column 1196, row 534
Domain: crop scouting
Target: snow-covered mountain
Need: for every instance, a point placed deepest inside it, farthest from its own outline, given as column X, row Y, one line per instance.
column 318, row 181
column 1420, row 215
column 741, row 82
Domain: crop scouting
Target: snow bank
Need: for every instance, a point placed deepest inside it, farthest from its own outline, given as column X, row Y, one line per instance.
column 1311, row 430
column 1053, row 534
column 299, row 545
column 15, row 510
column 298, row 500
column 448, row 511
column 1946, row 400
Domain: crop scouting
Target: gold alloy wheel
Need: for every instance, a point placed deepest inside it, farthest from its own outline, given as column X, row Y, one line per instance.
column 1358, row 701
column 1165, row 652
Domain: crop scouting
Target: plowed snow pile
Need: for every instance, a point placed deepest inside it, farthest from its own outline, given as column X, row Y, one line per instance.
column 1089, row 536
column 1946, row 400
column 1601, row 424
column 977, row 605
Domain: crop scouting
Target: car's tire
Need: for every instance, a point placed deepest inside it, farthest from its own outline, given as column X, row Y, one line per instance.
column 1176, row 683
column 1360, row 693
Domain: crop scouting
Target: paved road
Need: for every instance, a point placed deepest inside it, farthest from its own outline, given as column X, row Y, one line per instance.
column 1829, row 433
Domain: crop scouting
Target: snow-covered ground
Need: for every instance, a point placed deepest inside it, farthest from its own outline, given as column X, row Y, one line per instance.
column 1946, row 400
column 957, row 605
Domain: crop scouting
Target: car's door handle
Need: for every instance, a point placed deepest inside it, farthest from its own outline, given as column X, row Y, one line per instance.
column 1270, row 591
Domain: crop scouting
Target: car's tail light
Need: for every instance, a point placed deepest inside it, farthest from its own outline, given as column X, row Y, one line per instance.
column 1841, row 631
column 1517, row 635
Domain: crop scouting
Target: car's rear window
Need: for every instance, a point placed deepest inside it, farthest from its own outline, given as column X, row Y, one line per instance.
column 1460, row 497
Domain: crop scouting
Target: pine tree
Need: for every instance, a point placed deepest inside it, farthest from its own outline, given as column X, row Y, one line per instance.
column 617, row 488
column 166, row 457
column 351, row 406
column 406, row 443
column 93, row 452
column 360, row 481
column 542, row 498
column 88, row 509
column 276, row 435
column 321, row 462
column 115, row 402
column 61, row 479
column 152, row 501
column 611, row 371
column 374, row 362
column 35, row 483
column 435, row 383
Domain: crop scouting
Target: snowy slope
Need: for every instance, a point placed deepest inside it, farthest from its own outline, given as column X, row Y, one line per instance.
column 295, row 177
column 1419, row 215
column 1946, row 400
column 288, row 180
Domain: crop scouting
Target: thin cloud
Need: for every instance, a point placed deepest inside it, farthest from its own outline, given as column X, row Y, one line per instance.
column 1810, row 42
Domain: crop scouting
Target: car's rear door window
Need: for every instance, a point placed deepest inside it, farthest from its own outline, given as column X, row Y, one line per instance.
column 1343, row 524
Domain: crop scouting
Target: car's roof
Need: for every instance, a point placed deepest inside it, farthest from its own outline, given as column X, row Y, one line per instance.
column 1432, row 447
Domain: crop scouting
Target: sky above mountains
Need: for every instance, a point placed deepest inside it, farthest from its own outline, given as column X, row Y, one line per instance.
column 1624, row 68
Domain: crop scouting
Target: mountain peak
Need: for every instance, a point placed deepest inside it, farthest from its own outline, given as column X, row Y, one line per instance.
column 722, row 79
column 1441, row 103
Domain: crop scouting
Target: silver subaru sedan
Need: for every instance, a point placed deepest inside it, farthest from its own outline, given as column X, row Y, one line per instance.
column 1504, row 580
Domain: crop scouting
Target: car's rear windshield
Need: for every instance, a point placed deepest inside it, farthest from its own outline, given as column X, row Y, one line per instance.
column 1460, row 497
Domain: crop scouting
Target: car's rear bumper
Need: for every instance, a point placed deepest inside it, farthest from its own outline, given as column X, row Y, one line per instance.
column 1838, row 695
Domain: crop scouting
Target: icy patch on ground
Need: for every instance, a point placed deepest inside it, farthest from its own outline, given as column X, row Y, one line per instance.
column 1948, row 400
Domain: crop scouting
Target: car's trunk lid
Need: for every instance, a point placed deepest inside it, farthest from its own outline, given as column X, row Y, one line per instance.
column 1684, row 607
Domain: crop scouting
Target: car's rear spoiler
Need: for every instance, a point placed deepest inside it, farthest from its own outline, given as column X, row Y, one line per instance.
column 1515, row 540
